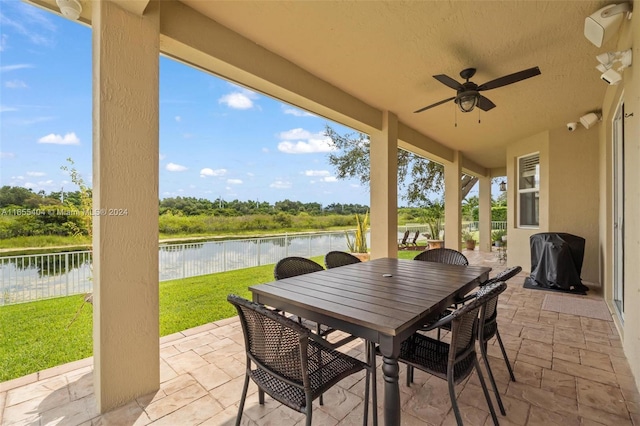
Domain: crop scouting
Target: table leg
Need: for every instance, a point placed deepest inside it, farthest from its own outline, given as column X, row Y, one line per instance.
column 391, row 371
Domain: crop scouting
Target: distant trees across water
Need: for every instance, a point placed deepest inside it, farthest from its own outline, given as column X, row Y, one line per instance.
column 25, row 213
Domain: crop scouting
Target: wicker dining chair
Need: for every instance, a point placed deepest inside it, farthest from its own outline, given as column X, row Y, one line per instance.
column 293, row 266
column 453, row 361
column 443, row 255
column 288, row 362
column 505, row 275
column 490, row 330
column 334, row 259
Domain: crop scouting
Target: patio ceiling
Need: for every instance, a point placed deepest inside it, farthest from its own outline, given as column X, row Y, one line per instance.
column 372, row 56
column 385, row 53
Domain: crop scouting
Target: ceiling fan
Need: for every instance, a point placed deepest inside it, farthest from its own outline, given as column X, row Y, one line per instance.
column 468, row 93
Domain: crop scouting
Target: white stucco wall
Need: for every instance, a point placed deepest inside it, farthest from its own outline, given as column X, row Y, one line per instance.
column 629, row 90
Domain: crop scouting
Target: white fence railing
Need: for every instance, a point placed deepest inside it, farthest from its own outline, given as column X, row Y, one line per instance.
column 27, row 278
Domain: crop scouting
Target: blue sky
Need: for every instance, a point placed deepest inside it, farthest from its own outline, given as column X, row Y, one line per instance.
column 216, row 138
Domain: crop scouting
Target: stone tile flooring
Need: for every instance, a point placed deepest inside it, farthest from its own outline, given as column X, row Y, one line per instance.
column 570, row 370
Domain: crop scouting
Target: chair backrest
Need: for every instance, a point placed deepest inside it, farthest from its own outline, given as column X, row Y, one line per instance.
column 443, row 255
column 405, row 237
column 505, row 275
column 489, row 313
column 275, row 343
column 415, row 237
column 465, row 320
column 333, row 259
column 293, row 266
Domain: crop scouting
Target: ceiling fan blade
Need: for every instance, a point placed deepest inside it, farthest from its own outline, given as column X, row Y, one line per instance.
column 510, row 79
column 448, row 81
column 436, row 104
column 485, row 104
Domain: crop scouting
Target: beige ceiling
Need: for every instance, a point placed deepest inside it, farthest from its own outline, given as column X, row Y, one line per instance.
column 385, row 53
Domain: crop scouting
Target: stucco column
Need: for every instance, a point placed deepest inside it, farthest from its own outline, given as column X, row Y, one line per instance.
column 484, row 210
column 452, row 200
column 125, row 193
column 384, row 188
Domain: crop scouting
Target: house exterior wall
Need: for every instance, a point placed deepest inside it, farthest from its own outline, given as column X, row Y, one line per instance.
column 518, row 238
column 629, row 90
column 574, row 191
column 568, row 193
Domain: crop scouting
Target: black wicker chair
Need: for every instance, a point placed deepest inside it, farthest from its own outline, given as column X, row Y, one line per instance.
column 437, row 358
column 443, row 255
column 291, row 364
column 490, row 330
column 334, row 259
column 293, row 266
column 505, row 275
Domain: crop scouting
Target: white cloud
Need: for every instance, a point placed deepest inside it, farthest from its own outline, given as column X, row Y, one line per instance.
column 6, row 154
column 17, row 177
column 68, row 139
column 316, row 173
column 210, row 172
column 236, row 100
column 7, row 68
column 301, row 141
column 178, row 118
column 36, row 174
column 234, row 181
column 173, row 167
column 265, row 150
column 15, row 84
column 3, row 42
column 29, row 185
column 45, row 183
column 310, row 146
column 280, row 184
column 162, row 157
column 296, row 112
column 250, row 174
column 7, row 109
column 329, row 179
column 295, row 134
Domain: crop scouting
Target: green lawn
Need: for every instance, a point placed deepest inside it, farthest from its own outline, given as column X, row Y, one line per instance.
column 39, row 335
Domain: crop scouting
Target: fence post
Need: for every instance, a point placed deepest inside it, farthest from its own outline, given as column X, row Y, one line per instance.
column 183, row 262
column 259, row 263
column 286, row 245
column 66, row 270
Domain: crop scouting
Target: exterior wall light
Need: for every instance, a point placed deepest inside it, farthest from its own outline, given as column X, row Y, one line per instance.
column 503, row 186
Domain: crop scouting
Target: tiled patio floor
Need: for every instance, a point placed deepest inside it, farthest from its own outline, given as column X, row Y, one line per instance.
column 570, row 370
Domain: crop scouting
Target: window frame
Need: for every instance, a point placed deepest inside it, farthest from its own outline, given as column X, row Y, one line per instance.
column 534, row 189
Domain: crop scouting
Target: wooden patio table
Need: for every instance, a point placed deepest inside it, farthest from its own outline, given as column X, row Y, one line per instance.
column 384, row 300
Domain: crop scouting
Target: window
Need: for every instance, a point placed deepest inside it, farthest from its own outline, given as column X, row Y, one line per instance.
column 529, row 190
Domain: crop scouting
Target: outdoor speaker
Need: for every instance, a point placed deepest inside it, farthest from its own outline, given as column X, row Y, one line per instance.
column 601, row 25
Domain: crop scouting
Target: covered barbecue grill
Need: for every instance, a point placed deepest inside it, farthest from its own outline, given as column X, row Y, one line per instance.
column 556, row 262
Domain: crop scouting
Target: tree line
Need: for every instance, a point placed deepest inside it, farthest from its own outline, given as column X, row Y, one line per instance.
column 26, row 213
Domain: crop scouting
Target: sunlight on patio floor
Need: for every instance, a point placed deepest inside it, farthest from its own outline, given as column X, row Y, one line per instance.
column 570, row 370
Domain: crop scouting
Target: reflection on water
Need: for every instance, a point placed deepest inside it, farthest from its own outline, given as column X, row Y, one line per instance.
column 33, row 277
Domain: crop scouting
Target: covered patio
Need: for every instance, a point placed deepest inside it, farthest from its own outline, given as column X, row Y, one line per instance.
column 570, row 370
column 370, row 65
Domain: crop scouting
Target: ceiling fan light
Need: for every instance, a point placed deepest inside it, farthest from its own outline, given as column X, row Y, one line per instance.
column 468, row 102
